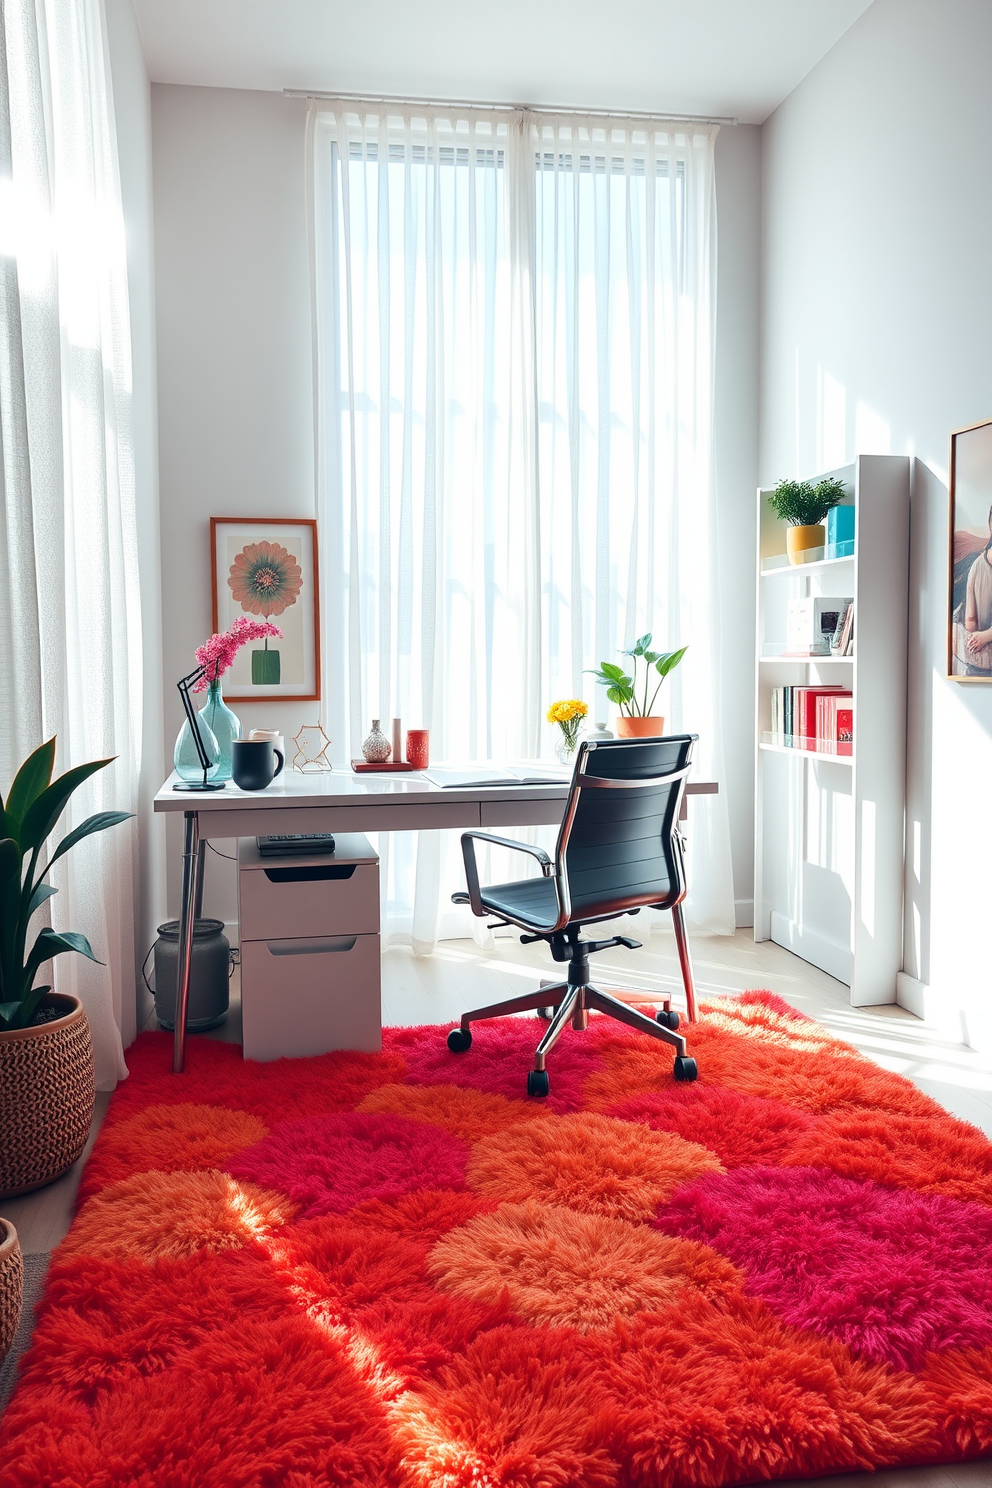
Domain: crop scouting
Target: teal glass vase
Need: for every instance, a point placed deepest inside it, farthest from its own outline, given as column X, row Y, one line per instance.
column 224, row 725
column 185, row 758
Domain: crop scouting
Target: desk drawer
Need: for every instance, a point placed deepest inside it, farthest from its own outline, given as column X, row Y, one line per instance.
column 286, row 902
column 305, row 997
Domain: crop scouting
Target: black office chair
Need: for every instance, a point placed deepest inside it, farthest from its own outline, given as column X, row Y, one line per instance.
column 619, row 849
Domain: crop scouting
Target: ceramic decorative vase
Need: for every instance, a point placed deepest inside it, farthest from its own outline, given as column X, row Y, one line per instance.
column 377, row 747
column 185, row 759
column 598, row 731
column 223, row 724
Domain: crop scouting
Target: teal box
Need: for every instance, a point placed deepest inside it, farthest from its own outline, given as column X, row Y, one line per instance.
column 840, row 532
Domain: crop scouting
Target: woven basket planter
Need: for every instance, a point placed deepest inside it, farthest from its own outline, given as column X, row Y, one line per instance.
column 46, row 1097
column 11, row 1285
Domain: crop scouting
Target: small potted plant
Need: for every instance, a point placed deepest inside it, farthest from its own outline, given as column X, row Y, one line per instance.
column 567, row 714
column 804, row 507
column 630, row 691
column 46, row 1057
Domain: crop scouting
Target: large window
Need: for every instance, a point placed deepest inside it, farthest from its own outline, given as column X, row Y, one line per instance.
column 514, row 336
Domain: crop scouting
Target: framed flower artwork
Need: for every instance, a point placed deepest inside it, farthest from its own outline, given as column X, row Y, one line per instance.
column 266, row 568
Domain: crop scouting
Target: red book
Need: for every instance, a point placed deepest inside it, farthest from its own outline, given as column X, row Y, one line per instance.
column 806, row 712
column 845, row 730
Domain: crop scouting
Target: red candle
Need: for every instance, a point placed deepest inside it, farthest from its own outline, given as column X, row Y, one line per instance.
column 417, row 753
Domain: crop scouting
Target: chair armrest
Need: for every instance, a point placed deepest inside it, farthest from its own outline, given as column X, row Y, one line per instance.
column 469, row 840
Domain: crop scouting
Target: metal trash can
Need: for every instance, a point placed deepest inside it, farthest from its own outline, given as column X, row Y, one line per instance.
column 209, row 991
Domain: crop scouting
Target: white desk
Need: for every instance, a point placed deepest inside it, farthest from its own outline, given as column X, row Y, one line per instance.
column 341, row 801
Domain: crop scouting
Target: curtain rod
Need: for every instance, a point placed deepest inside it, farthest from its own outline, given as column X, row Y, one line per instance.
column 540, row 108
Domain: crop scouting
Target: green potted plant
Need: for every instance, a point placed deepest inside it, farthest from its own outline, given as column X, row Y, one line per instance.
column 630, row 690
column 46, row 1057
column 804, row 507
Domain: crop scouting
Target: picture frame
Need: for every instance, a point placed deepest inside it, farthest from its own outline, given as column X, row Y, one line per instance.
column 267, row 568
column 969, row 586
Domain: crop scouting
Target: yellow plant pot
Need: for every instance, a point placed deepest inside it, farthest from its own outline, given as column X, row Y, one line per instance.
column 640, row 728
column 798, row 541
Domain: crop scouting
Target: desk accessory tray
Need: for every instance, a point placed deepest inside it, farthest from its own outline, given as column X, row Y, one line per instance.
column 363, row 767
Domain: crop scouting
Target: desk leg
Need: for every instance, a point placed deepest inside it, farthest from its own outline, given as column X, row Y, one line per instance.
column 192, row 872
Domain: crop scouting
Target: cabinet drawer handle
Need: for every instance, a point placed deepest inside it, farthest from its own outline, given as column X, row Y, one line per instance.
column 316, row 874
column 310, row 947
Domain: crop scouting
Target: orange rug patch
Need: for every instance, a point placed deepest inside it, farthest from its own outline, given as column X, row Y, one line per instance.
column 396, row 1271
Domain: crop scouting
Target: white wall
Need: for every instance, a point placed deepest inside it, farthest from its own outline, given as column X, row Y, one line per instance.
column 132, row 108
column 234, row 360
column 876, row 337
column 235, row 384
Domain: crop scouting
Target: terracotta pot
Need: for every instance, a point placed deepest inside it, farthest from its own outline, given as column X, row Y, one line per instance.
column 798, row 540
column 46, row 1097
column 651, row 727
column 11, row 1285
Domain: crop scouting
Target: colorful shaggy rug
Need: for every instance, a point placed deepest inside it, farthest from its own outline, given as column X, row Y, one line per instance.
column 396, row 1270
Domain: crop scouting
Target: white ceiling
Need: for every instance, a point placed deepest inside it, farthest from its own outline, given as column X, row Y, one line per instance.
column 713, row 57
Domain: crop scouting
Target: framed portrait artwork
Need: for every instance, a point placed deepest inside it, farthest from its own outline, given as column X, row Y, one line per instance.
column 969, row 628
column 266, row 568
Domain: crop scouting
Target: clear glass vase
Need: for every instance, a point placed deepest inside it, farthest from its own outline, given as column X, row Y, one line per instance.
column 185, row 758
column 223, row 724
column 565, row 749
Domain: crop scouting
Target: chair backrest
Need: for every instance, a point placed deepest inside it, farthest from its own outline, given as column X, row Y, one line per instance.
column 618, row 847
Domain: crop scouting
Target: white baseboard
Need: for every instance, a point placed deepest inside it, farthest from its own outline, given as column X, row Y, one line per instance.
column 911, row 994
column 829, row 955
column 744, row 913
column 970, row 1026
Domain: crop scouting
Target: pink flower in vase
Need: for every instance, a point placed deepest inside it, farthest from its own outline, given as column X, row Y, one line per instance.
column 217, row 654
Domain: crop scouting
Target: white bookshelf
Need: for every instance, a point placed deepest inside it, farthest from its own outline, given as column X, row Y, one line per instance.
column 828, row 862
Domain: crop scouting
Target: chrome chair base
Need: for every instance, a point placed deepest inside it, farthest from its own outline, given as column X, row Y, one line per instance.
column 572, row 1004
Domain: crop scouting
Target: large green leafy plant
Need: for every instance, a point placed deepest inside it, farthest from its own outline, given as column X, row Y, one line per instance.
column 27, row 818
column 623, row 688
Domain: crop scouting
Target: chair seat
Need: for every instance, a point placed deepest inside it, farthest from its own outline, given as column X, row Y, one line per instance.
column 531, row 899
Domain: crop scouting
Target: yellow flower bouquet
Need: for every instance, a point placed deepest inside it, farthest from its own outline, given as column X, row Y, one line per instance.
column 567, row 714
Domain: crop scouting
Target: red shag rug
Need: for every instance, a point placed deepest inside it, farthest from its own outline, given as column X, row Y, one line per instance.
column 396, row 1270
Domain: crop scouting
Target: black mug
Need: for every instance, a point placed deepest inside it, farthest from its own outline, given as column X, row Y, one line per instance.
column 253, row 766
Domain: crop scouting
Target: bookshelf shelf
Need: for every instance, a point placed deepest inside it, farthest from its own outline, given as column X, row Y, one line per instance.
column 797, row 751
column 829, row 843
column 806, row 660
column 791, row 570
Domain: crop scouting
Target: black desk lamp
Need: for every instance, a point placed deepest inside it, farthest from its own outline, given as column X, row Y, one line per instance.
column 184, row 685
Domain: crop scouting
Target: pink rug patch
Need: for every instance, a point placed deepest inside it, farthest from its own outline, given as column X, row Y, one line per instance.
column 501, row 1054
column 893, row 1274
column 743, row 1130
column 328, row 1164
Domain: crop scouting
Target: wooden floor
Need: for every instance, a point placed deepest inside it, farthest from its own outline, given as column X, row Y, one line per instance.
column 458, row 976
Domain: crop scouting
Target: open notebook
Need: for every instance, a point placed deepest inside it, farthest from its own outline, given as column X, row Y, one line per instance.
column 453, row 779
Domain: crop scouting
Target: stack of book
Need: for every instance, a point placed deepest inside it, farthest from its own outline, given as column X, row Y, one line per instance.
column 814, row 718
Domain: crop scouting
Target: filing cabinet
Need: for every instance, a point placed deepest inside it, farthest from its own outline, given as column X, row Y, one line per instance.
column 310, row 979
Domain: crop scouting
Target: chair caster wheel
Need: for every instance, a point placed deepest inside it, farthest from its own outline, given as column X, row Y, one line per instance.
column 685, row 1069
column 667, row 1018
column 538, row 1082
column 460, row 1039
column 546, row 1014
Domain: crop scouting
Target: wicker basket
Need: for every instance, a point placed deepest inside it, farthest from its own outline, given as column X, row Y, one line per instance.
column 46, row 1097
column 11, row 1285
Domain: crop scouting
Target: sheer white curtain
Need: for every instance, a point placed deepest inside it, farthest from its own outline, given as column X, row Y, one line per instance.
column 68, row 556
column 514, row 331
